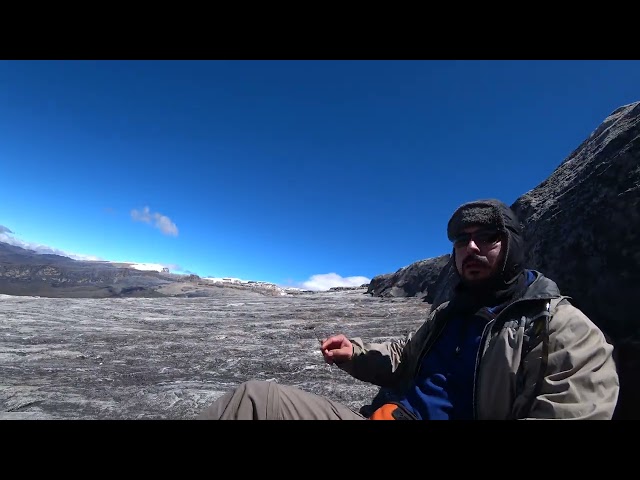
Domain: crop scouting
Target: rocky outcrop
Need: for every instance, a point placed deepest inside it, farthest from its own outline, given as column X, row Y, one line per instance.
column 581, row 229
column 416, row 280
column 344, row 289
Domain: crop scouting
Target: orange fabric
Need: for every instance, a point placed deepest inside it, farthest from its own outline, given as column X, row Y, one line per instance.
column 385, row 412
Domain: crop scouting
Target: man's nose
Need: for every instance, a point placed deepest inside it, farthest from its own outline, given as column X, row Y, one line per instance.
column 471, row 246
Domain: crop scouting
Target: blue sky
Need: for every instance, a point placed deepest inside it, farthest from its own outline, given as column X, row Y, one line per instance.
column 282, row 171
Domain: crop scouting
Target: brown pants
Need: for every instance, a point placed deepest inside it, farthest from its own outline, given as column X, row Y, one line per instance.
column 259, row 400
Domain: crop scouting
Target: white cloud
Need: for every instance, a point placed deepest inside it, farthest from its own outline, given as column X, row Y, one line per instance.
column 326, row 281
column 174, row 267
column 155, row 267
column 79, row 256
column 161, row 222
column 7, row 237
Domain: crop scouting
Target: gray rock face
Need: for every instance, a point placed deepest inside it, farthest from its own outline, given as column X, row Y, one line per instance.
column 581, row 229
column 582, row 225
column 416, row 280
column 168, row 358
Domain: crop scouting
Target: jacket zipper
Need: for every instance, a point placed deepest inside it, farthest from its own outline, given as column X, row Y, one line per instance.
column 479, row 355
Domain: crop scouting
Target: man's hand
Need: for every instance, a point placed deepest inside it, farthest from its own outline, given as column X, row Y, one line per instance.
column 336, row 349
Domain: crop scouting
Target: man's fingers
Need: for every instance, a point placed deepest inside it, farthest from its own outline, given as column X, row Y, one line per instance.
column 334, row 341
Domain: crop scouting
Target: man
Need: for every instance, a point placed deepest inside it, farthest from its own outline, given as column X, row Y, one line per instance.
column 507, row 346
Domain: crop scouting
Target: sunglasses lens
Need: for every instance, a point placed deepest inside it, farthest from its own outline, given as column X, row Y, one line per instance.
column 488, row 238
column 481, row 239
column 461, row 240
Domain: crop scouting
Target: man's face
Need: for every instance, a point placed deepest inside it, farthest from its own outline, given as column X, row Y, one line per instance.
column 478, row 253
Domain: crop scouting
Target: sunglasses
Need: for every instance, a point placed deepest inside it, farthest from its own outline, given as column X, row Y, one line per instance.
column 482, row 238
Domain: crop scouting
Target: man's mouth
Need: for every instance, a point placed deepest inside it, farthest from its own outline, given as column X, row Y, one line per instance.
column 474, row 264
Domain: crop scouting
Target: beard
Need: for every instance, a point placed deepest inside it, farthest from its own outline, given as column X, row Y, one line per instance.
column 483, row 273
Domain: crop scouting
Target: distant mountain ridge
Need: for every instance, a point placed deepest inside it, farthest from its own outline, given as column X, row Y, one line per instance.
column 26, row 272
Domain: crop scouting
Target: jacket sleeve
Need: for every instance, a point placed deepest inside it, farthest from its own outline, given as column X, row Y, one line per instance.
column 376, row 363
column 580, row 380
column 384, row 364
